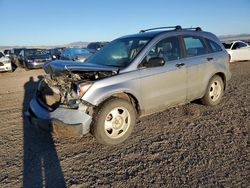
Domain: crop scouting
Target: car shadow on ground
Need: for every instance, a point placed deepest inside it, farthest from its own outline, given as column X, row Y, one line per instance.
column 41, row 166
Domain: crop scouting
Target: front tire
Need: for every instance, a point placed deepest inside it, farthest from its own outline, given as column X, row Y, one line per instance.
column 114, row 121
column 214, row 91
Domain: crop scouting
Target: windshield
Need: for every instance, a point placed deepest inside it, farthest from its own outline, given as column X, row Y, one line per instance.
column 81, row 51
column 75, row 51
column 120, row 52
column 35, row 52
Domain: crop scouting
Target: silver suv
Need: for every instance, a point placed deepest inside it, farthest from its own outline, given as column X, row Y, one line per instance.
column 131, row 77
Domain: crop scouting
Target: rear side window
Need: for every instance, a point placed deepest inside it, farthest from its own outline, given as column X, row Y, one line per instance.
column 194, row 46
column 242, row 45
column 214, row 47
column 238, row 45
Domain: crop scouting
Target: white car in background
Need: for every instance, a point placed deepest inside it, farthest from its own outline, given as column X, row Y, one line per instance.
column 238, row 51
column 5, row 63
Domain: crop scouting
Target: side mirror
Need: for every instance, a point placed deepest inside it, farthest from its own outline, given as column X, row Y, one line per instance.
column 154, row 62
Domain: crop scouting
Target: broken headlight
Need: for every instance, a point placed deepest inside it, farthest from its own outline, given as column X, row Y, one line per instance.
column 82, row 88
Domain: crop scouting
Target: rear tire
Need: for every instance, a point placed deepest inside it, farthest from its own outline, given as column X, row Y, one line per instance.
column 114, row 121
column 214, row 91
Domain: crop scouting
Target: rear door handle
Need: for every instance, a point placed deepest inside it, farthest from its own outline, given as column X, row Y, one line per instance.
column 180, row 64
column 210, row 58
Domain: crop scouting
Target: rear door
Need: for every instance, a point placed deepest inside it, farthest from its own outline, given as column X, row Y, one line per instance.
column 198, row 62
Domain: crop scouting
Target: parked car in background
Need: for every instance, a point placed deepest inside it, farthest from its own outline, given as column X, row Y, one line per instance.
column 93, row 47
column 56, row 53
column 5, row 63
column 14, row 55
column 238, row 51
column 34, row 58
column 6, row 52
column 75, row 54
column 133, row 76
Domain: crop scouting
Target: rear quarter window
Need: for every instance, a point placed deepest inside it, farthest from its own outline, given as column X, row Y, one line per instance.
column 213, row 46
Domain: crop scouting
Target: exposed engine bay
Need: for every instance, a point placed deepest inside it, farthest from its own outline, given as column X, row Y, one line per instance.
column 63, row 89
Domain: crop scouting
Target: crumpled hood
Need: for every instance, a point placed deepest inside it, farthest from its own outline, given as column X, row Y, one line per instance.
column 59, row 67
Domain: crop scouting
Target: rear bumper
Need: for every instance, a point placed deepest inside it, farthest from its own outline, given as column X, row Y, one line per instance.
column 62, row 121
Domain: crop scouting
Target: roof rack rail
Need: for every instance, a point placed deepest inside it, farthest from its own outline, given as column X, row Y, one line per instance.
column 177, row 28
column 194, row 28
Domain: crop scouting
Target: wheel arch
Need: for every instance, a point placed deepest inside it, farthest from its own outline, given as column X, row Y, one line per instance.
column 126, row 96
column 223, row 77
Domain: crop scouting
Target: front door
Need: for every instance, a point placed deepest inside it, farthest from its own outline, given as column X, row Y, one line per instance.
column 165, row 85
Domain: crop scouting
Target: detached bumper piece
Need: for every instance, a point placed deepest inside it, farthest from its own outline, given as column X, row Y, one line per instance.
column 63, row 122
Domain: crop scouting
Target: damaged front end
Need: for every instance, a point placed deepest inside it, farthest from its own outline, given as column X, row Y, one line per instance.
column 59, row 97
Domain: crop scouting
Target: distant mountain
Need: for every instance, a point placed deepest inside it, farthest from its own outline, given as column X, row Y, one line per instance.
column 78, row 43
column 230, row 38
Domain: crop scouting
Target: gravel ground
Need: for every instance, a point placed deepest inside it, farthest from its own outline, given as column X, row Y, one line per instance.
column 185, row 146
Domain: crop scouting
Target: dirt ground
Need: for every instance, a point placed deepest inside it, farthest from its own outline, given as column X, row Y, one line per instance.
column 185, row 146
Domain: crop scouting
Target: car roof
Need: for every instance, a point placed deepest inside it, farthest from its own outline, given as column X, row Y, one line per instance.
column 240, row 41
column 149, row 34
column 152, row 34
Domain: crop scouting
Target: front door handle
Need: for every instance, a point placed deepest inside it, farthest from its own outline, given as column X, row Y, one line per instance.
column 210, row 58
column 180, row 64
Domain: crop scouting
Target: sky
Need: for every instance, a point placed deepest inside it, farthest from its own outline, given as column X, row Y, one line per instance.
column 57, row 22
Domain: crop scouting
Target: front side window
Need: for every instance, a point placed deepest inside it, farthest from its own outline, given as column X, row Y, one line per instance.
column 235, row 46
column 214, row 47
column 1, row 54
column 194, row 46
column 168, row 49
column 120, row 52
